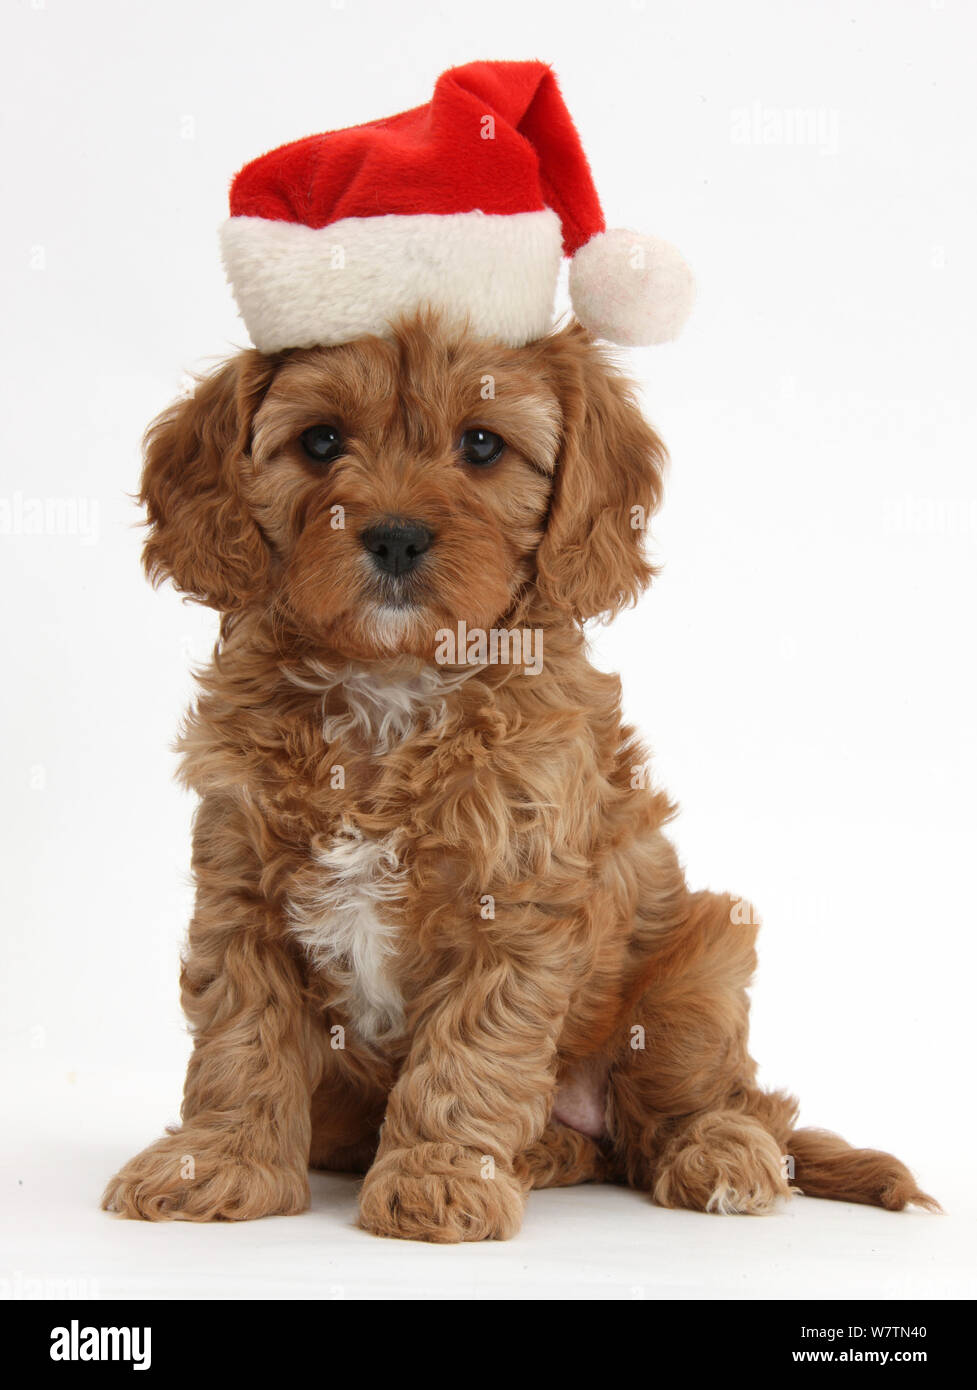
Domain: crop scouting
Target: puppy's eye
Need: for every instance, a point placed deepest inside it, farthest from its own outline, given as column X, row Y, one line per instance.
column 481, row 447
column 321, row 443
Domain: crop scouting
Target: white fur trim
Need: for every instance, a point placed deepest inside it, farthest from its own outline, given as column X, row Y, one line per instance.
column 300, row 286
column 631, row 289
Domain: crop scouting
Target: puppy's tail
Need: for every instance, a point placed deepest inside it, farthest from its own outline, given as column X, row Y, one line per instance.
column 825, row 1166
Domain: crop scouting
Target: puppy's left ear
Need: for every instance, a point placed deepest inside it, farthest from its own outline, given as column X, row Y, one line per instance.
column 608, row 483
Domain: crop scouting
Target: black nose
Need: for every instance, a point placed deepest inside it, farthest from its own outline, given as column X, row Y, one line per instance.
column 396, row 546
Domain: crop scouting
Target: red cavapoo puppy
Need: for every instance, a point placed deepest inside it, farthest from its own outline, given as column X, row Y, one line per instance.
column 440, row 937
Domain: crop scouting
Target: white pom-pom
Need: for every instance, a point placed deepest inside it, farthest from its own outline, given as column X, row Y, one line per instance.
column 631, row 289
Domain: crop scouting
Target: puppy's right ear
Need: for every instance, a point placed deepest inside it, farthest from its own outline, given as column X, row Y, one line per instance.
column 202, row 534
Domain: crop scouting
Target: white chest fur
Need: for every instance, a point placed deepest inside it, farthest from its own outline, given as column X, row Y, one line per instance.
column 346, row 911
column 347, row 920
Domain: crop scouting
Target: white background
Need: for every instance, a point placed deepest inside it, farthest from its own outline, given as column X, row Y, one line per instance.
column 804, row 668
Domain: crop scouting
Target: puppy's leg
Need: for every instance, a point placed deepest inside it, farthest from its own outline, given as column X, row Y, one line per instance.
column 243, row 1148
column 474, row 1094
column 561, row 1157
column 688, row 1123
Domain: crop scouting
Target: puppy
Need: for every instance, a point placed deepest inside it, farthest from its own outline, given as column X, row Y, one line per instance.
column 440, row 935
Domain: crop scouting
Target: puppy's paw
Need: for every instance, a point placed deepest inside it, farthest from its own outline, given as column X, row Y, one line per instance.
column 441, row 1193
column 725, row 1163
column 194, row 1175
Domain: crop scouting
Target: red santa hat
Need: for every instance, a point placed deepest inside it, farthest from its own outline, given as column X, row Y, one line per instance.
column 465, row 205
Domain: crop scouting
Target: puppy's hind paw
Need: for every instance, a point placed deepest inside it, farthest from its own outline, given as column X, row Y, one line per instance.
column 723, row 1163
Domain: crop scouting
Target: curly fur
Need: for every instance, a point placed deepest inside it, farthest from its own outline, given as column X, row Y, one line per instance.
column 435, row 905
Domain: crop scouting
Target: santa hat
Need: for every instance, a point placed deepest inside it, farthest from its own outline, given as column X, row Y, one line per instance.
column 464, row 205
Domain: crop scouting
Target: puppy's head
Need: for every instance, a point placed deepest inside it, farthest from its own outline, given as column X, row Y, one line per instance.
column 370, row 494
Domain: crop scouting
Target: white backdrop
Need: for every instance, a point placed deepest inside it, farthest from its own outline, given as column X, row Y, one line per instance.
column 804, row 668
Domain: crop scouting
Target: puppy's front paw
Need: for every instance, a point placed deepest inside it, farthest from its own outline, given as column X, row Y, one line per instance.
column 193, row 1176
column 441, row 1193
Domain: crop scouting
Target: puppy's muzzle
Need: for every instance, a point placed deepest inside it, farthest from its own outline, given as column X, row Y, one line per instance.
column 396, row 545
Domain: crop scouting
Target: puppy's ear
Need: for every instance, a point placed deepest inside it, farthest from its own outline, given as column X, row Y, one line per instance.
column 608, row 483
column 202, row 535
